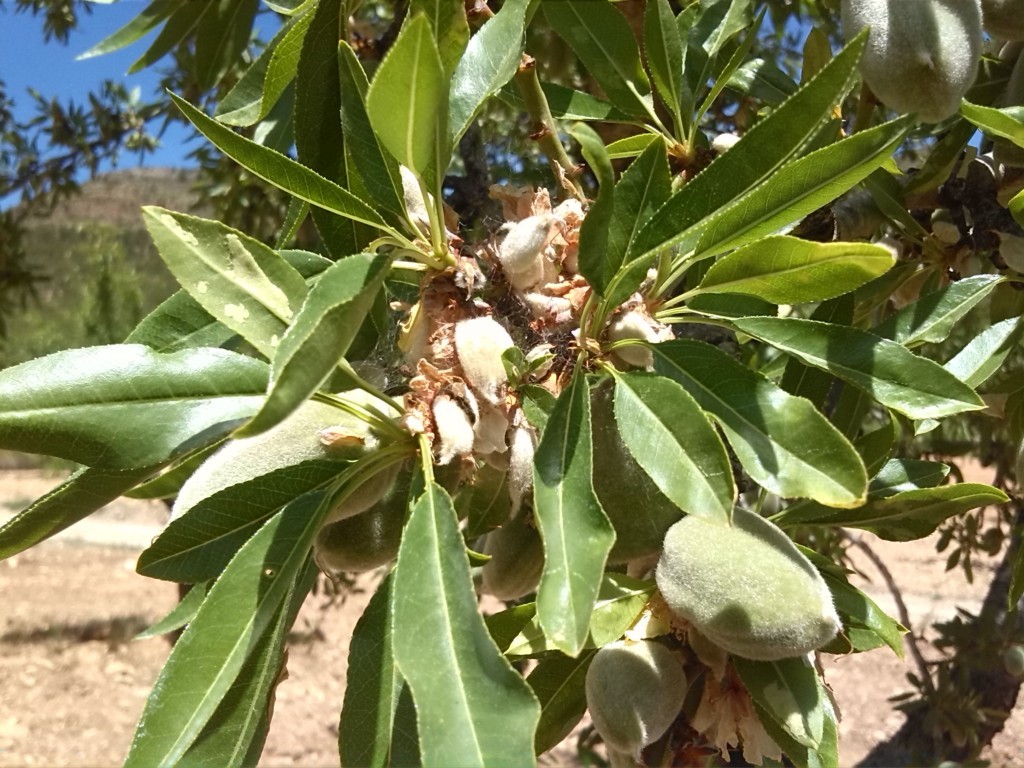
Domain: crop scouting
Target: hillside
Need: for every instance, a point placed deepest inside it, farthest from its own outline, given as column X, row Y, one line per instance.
column 102, row 274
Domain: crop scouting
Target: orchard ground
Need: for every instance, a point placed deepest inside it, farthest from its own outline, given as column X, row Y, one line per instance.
column 73, row 682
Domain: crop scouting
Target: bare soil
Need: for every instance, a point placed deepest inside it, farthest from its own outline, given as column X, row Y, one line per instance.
column 73, row 682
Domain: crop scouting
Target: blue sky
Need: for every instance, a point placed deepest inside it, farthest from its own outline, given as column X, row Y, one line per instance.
column 51, row 68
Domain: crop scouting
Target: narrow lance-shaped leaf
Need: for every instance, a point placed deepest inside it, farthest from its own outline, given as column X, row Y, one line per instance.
column 932, row 317
column 85, row 492
column 407, row 95
column 378, row 169
column 256, row 93
column 451, row 29
column 787, row 270
column 788, row 690
column 801, row 187
column 1007, row 123
column 372, row 686
column 984, row 354
column 237, row 732
column 472, row 707
column 670, row 437
column 181, row 614
column 490, row 61
column 664, row 49
column 764, row 149
column 913, row 514
column 124, row 406
column 576, row 533
column 560, row 684
column 619, row 601
column 236, row 614
column 221, row 37
column 601, row 37
column 281, row 171
column 177, row 27
column 320, row 335
column 594, row 232
column 783, row 442
column 197, row 545
column 891, row 374
column 241, row 282
column 643, row 188
column 147, row 19
column 319, row 142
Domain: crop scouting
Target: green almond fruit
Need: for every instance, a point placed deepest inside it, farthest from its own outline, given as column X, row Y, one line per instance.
column 746, row 587
column 634, row 691
column 517, row 560
column 367, row 540
column 922, row 55
column 639, row 512
column 291, row 442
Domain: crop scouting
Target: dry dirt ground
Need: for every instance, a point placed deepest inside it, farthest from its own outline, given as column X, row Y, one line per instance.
column 73, row 682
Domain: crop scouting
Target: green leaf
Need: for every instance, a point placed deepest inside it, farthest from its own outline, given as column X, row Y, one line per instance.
column 237, row 613
column 559, row 684
column 451, row 29
column 222, row 35
column 643, row 188
column 281, row 171
column 1016, row 207
column 1016, row 581
column 892, row 375
column 631, row 146
column 318, row 135
column 320, row 335
column 180, row 615
column 783, row 442
column 593, row 237
column 570, row 104
column 178, row 26
column 372, row 686
column 720, row 21
column 148, row 19
column 490, row 61
column 472, row 707
column 670, row 437
column 861, row 616
column 236, row 734
column 241, row 282
column 932, row 317
column 765, row 148
column 88, row 490
column 804, row 381
column 408, row 96
column 258, row 90
column 595, row 153
column 664, row 49
column 178, row 323
column 801, row 187
column 619, row 601
column 787, row 270
column 576, row 533
column 1007, row 123
column 985, row 353
column 378, row 170
column 912, row 514
column 124, row 406
column 789, row 692
column 198, row 545
column 602, row 39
